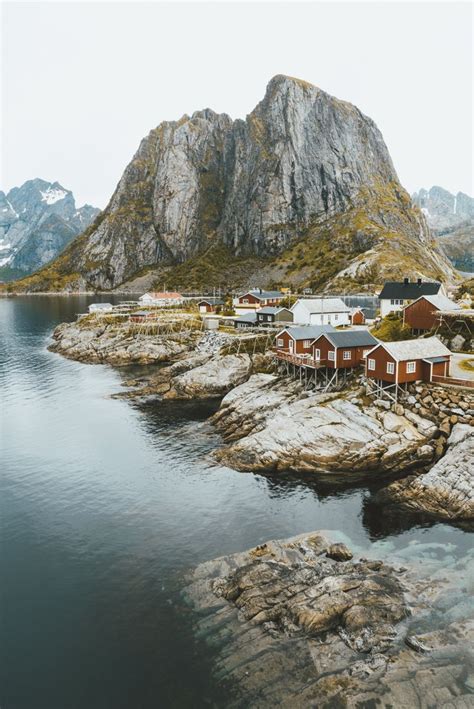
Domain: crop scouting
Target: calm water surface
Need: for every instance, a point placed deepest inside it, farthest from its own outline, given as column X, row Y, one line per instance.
column 105, row 505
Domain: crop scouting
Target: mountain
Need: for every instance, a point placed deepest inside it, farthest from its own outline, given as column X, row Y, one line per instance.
column 37, row 221
column 303, row 191
column 451, row 217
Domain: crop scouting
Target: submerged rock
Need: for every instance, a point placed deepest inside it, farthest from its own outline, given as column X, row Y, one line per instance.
column 294, row 628
column 277, row 429
column 447, row 490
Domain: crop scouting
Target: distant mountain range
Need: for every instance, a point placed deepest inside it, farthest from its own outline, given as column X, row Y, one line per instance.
column 37, row 221
column 451, row 218
column 302, row 192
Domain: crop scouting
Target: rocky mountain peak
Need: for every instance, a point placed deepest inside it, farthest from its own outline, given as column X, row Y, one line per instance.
column 301, row 164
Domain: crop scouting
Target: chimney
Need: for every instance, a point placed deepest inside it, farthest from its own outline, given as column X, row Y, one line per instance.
column 418, row 280
column 405, row 281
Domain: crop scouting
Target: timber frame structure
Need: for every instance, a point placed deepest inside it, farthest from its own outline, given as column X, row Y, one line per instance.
column 311, row 373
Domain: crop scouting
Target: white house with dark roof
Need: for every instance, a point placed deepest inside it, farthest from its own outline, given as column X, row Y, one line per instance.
column 321, row 311
column 395, row 295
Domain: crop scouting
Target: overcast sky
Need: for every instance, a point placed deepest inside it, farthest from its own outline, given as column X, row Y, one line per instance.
column 82, row 83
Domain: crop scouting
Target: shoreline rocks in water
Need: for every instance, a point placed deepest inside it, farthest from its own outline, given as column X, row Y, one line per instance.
column 113, row 344
column 447, row 489
column 294, row 628
column 274, row 429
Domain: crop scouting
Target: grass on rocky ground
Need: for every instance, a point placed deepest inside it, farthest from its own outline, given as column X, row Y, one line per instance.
column 392, row 329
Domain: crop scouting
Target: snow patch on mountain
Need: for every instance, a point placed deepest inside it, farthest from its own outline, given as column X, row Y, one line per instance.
column 51, row 196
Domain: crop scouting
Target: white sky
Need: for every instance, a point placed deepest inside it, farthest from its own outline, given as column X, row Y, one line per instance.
column 82, row 83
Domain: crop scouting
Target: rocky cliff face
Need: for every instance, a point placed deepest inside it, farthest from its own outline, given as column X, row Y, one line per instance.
column 451, row 217
column 37, row 221
column 303, row 167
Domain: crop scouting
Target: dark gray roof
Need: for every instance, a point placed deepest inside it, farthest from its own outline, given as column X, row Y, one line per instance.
column 211, row 301
column 351, row 338
column 408, row 291
column 248, row 317
column 308, row 332
column 264, row 294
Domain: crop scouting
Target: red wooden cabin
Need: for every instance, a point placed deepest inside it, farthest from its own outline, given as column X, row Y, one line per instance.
column 343, row 349
column 421, row 315
column 299, row 340
column 408, row 361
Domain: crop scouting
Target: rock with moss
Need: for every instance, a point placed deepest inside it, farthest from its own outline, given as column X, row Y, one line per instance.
column 113, row 344
column 291, row 627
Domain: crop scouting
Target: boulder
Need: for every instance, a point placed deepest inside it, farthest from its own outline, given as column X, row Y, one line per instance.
column 212, row 379
column 447, row 490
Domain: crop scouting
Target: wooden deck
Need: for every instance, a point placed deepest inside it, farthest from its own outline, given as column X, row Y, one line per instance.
column 453, row 381
column 300, row 360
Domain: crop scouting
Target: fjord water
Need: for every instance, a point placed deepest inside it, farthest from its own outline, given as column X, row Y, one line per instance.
column 105, row 505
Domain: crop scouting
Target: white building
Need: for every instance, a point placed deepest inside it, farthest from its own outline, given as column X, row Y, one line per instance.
column 163, row 299
column 394, row 295
column 321, row 311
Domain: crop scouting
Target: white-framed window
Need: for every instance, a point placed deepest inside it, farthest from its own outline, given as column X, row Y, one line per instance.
column 346, row 354
column 280, row 342
column 411, row 367
column 331, row 355
column 371, row 363
column 392, row 302
column 245, row 300
column 306, row 343
column 336, row 316
column 390, row 367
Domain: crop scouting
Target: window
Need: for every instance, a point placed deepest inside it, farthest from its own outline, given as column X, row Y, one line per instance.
column 331, row 355
column 336, row 316
column 317, row 354
column 346, row 354
column 390, row 367
column 245, row 300
column 280, row 342
column 411, row 367
column 392, row 302
column 306, row 343
column 371, row 364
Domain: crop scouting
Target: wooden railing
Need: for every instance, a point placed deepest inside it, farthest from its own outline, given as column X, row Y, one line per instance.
column 437, row 379
column 300, row 360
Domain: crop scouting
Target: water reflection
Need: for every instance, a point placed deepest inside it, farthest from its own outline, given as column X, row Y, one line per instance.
column 106, row 503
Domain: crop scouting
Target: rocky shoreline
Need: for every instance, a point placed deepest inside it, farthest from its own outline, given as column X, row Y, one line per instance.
column 300, row 622
column 270, row 424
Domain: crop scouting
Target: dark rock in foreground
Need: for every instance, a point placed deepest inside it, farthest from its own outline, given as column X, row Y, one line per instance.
column 295, row 628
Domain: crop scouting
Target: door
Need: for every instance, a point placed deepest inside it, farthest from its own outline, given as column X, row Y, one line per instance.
column 291, row 345
column 317, row 355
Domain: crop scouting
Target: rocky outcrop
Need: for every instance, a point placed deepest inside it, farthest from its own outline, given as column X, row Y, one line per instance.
column 303, row 166
column 113, row 344
column 212, row 379
column 37, row 221
column 327, row 433
column 447, row 489
column 294, row 628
